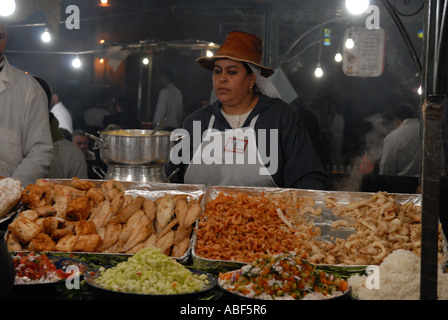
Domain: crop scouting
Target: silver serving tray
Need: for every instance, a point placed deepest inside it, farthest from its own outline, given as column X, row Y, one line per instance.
column 324, row 220
column 149, row 190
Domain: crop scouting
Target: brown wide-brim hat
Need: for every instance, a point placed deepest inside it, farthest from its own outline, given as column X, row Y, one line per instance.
column 240, row 46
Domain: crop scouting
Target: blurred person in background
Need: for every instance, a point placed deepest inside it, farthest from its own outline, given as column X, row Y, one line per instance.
column 68, row 160
column 402, row 147
column 61, row 113
column 169, row 104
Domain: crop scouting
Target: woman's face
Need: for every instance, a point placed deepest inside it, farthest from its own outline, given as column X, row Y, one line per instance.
column 231, row 81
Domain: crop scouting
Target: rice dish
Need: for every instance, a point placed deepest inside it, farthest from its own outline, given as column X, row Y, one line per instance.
column 399, row 279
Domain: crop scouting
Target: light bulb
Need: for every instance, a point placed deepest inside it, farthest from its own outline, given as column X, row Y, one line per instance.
column 76, row 63
column 338, row 57
column 318, row 72
column 209, row 53
column 7, row 7
column 349, row 43
column 145, row 61
column 357, row 6
column 46, row 36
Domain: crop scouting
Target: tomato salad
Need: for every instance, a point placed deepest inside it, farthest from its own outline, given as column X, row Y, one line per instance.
column 32, row 268
column 283, row 276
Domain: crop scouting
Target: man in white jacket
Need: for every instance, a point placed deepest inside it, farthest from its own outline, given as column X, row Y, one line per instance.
column 26, row 147
column 402, row 147
column 169, row 103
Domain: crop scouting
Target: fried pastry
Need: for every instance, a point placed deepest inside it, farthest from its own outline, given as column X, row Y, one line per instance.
column 10, row 194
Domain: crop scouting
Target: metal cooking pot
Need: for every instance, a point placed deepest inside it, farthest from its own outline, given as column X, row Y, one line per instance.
column 134, row 147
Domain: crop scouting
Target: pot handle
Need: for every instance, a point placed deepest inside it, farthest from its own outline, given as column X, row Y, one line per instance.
column 172, row 174
column 99, row 171
column 102, row 143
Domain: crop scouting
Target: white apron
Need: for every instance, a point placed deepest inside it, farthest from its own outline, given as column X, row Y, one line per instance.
column 235, row 161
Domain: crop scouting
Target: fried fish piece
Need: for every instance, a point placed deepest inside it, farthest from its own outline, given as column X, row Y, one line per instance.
column 25, row 230
column 101, row 215
column 34, row 196
column 30, row 214
column 128, row 210
column 111, row 235
column 96, row 196
column 181, row 211
column 46, row 211
column 111, row 188
column 117, row 202
column 50, row 224
column 149, row 207
column 193, row 214
column 165, row 211
column 166, row 242
column 78, row 209
column 60, row 233
column 85, row 227
column 42, row 242
column 182, row 237
column 82, row 184
column 13, row 243
column 88, row 243
column 180, row 247
column 140, row 232
column 66, row 193
column 128, row 229
column 66, row 243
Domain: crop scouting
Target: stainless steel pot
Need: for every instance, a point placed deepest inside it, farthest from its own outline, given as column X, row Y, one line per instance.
column 134, row 147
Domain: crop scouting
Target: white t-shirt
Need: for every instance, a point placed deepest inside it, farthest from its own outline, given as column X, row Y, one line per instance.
column 63, row 115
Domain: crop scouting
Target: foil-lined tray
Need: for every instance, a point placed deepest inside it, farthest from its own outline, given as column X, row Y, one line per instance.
column 149, row 190
column 323, row 221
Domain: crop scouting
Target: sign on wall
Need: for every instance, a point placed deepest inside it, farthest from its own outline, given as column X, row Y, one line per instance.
column 365, row 57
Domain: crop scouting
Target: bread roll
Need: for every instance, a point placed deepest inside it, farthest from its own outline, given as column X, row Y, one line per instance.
column 10, row 194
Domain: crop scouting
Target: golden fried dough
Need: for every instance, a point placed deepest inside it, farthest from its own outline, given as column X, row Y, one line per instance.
column 10, row 194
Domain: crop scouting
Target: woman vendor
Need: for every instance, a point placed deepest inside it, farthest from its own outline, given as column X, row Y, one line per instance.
column 249, row 136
